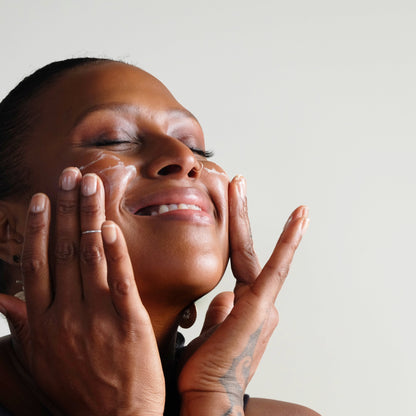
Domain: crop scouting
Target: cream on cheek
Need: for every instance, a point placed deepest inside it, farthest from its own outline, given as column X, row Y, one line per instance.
column 214, row 171
column 114, row 173
column 219, row 181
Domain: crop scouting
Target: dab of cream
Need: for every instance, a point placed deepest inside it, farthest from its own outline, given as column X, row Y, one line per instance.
column 115, row 176
column 216, row 172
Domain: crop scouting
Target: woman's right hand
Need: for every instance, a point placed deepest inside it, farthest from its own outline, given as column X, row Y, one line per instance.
column 84, row 335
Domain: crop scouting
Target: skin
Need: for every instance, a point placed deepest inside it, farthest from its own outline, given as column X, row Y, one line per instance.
column 103, row 307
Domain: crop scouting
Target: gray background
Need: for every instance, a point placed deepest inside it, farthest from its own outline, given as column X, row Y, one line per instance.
column 314, row 102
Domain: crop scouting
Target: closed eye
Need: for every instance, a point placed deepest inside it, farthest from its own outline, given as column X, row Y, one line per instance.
column 204, row 153
column 113, row 142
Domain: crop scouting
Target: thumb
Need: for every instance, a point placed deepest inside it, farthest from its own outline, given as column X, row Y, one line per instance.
column 218, row 310
column 15, row 311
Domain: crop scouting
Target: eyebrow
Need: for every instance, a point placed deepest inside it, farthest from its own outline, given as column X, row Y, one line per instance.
column 124, row 108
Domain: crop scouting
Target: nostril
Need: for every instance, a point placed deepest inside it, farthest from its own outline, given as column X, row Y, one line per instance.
column 193, row 173
column 169, row 170
column 196, row 170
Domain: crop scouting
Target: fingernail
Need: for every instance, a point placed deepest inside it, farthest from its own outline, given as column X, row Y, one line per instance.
column 241, row 185
column 109, row 233
column 68, row 179
column 303, row 212
column 37, row 204
column 304, row 226
column 89, row 184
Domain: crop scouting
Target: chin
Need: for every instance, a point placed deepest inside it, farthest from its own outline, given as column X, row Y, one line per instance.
column 179, row 282
column 178, row 264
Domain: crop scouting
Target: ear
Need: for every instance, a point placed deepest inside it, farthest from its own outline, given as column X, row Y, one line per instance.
column 12, row 223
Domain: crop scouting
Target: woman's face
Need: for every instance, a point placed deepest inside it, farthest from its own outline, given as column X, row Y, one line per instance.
column 122, row 124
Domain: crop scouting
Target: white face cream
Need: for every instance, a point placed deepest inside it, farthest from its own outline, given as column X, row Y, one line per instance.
column 214, row 171
column 115, row 175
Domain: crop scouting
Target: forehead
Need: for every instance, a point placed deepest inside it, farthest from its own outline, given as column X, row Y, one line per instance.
column 86, row 88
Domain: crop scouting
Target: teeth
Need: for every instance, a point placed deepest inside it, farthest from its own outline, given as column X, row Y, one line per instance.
column 173, row 207
column 163, row 209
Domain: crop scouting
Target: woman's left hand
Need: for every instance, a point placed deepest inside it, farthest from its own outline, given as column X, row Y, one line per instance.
column 237, row 327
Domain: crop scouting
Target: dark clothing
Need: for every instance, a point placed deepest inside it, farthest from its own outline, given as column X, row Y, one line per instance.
column 180, row 343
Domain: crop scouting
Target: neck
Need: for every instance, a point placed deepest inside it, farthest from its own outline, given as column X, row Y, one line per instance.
column 165, row 326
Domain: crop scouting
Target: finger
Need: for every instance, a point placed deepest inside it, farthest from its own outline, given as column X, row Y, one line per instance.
column 15, row 311
column 68, row 285
column 275, row 271
column 244, row 262
column 121, row 281
column 35, row 266
column 218, row 310
column 93, row 264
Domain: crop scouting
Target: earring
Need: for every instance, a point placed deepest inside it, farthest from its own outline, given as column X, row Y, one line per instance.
column 188, row 316
column 20, row 295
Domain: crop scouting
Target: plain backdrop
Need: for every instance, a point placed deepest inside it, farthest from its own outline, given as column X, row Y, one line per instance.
column 314, row 102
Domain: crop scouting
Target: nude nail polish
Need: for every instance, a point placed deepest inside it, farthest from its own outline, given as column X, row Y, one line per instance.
column 68, row 179
column 37, row 203
column 109, row 233
column 89, row 184
column 304, row 226
column 241, row 185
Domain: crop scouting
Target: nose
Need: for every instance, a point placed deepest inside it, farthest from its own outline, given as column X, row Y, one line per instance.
column 168, row 156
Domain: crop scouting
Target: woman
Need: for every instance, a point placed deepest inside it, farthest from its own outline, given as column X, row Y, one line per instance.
column 140, row 225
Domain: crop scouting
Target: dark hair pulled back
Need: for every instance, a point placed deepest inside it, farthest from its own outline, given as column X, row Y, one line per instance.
column 16, row 118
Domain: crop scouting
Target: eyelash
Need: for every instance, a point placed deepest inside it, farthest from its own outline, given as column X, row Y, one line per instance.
column 110, row 142
column 204, row 153
column 101, row 143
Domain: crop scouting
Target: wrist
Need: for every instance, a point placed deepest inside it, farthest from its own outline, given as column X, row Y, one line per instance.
column 211, row 404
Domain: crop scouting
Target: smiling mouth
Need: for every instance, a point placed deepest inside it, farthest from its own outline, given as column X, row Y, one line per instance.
column 163, row 208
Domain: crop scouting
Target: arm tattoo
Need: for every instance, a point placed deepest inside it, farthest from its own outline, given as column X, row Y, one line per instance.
column 240, row 372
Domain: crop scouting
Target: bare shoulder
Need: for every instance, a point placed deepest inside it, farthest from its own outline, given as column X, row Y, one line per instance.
column 267, row 407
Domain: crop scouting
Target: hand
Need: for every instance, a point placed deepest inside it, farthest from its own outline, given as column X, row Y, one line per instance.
column 84, row 336
column 238, row 326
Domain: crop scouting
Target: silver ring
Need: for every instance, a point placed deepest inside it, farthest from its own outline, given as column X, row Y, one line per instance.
column 91, row 231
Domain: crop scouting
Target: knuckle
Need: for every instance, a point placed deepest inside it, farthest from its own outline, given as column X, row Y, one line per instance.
column 274, row 317
column 31, row 265
column 281, row 272
column 116, row 256
column 246, row 251
column 121, row 286
column 290, row 244
column 243, row 211
column 36, row 224
column 66, row 206
column 254, row 305
column 65, row 250
column 90, row 209
column 92, row 253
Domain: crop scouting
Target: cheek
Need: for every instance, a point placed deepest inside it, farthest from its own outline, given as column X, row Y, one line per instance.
column 114, row 173
column 214, row 171
column 217, row 181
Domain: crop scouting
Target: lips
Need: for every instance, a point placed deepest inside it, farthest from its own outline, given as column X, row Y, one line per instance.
column 176, row 201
